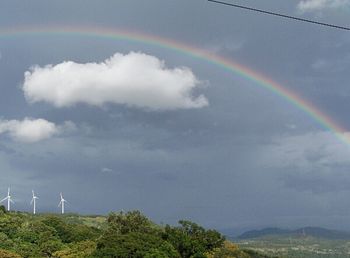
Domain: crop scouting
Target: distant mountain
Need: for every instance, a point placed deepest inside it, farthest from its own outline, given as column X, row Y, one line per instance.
column 263, row 232
column 306, row 231
column 323, row 233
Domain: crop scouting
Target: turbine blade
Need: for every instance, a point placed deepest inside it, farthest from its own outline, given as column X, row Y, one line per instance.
column 4, row 199
column 12, row 201
column 59, row 204
column 31, row 202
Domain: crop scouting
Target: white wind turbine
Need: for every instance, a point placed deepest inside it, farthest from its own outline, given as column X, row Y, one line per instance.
column 33, row 201
column 9, row 200
column 62, row 203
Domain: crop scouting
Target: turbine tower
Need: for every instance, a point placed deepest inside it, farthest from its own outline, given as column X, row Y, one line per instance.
column 62, row 203
column 33, row 201
column 9, row 200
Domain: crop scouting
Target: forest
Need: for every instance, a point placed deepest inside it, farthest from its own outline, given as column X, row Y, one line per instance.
column 120, row 234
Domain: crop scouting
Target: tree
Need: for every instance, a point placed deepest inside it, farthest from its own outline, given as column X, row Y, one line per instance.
column 5, row 242
column 125, row 235
column 77, row 250
column 26, row 249
column 50, row 246
column 133, row 244
column 156, row 253
column 191, row 240
column 61, row 228
column 2, row 209
column 82, row 232
column 9, row 224
column 35, row 232
column 69, row 233
column 8, row 254
column 132, row 234
column 132, row 221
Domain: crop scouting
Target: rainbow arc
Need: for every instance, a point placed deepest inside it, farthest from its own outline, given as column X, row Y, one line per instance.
column 127, row 35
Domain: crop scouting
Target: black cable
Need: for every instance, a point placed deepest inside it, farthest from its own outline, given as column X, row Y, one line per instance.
column 280, row 15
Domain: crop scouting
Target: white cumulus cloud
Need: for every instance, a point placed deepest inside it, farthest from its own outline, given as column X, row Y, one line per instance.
column 320, row 5
column 32, row 130
column 133, row 79
column 107, row 170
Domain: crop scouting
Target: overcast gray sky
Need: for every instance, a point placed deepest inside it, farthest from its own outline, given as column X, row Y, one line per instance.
column 117, row 124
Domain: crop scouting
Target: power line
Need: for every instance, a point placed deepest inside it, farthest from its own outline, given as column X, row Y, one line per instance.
column 280, row 15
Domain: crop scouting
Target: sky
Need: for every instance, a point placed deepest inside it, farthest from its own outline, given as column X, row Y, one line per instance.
column 117, row 124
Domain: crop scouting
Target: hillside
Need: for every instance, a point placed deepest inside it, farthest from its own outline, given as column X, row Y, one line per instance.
column 129, row 234
column 305, row 242
column 263, row 232
column 316, row 232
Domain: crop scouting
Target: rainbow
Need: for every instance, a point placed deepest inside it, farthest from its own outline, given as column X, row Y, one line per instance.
column 127, row 35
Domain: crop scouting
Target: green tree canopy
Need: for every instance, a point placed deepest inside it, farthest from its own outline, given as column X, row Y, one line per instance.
column 132, row 221
column 192, row 240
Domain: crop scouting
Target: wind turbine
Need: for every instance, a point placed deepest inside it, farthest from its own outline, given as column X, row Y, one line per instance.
column 9, row 200
column 62, row 203
column 33, row 201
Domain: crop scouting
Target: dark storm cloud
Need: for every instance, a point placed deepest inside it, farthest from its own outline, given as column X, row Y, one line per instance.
column 319, row 180
column 244, row 155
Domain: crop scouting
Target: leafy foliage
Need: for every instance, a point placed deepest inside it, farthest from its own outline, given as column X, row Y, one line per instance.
column 7, row 254
column 191, row 240
column 77, row 250
column 133, row 235
column 133, row 221
column 230, row 250
column 120, row 235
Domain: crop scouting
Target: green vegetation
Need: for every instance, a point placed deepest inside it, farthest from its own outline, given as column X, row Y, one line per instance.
column 298, row 246
column 121, row 235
